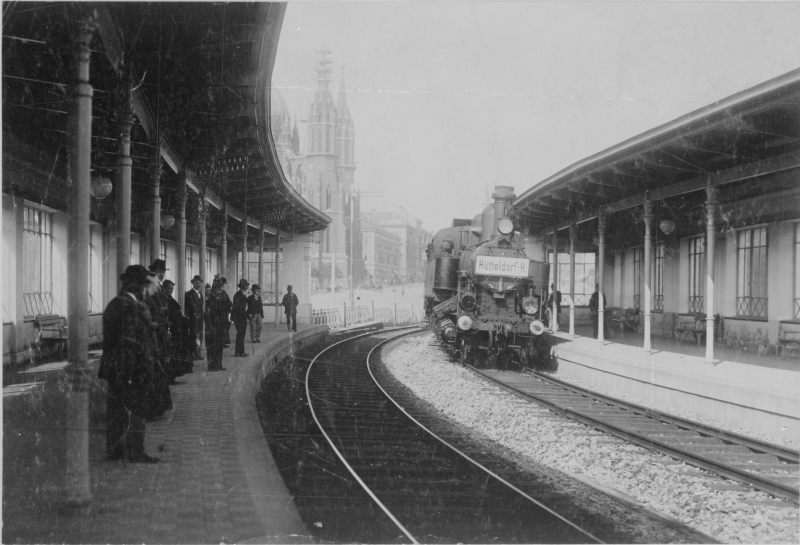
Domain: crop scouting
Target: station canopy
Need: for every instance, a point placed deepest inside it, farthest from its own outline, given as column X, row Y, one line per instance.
column 197, row 75
column 746, row 145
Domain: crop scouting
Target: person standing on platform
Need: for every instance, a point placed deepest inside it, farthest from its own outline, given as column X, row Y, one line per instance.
column 290, row 303
column 193, row 306
column 255, row 313
column 127, row 365
column 239, row 317
column 557, row 294
column 594, row 305
column 217, row 309
column 161, row 400
column 181, row 345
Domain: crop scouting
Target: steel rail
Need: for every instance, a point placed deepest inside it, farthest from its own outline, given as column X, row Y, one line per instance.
column 462, row 454
column 762, row 446
column 336, row 450
column 766, row 485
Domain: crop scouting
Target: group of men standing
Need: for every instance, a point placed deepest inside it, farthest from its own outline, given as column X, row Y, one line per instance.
column 148, row 342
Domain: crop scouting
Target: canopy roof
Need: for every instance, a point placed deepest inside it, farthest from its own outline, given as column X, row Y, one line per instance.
column 747, row 145
column 200, row 74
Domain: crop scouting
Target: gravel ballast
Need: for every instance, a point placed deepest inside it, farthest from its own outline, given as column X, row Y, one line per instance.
column 691, row 495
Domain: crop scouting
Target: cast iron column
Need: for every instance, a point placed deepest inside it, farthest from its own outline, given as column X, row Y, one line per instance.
column 573, row 235
column 278, row 279
column 224, row 257
column 123, row 190
column 261, row 238
column 711, row 235
column 181, row 265
column 554, row 310
column 245, row 267
column 155, row 228
column 202, row 217
column 601, row 263
column 648, row 248
column 77, row 482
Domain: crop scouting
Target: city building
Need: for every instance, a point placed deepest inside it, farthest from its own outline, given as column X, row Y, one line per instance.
column 382, row 251
column 413, row 240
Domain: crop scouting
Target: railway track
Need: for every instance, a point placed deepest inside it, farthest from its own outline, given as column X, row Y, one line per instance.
column 429, row 489
column 771, row 468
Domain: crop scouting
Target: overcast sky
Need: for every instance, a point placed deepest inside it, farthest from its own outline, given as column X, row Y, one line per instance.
column 451, row 98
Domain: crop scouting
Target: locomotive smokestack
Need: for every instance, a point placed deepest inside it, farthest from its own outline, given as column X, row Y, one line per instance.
column 503, row 197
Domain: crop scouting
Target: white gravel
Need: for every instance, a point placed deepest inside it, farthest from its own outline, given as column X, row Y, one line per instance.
column 658, row 482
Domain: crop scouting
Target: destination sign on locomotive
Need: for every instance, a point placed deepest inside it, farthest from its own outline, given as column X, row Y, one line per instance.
column 501, row 266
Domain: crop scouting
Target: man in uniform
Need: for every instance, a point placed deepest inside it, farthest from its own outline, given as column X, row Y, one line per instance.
column 290, row 303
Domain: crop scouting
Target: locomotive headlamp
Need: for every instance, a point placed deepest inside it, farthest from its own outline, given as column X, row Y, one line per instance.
column 537, row 327
column 468, row 302
column 505, row 226
column 464, row 323
column 530, row 305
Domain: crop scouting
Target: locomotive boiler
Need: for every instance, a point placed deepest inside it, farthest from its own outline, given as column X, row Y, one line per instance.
column 483, row 296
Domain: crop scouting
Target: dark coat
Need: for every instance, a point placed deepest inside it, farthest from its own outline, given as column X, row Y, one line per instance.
column 558, row 301
column 254, row 306
column 193, row 307
column 594, row 302
column 290, row 303
column 217, row 310
column 239, row 308
column 129, row 357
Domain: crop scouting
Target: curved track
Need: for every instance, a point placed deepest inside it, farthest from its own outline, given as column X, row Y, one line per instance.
column 430, row 490
column 765, row 466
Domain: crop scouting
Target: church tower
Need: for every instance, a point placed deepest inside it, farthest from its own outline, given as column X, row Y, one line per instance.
column 345, row 136
column 321, row 160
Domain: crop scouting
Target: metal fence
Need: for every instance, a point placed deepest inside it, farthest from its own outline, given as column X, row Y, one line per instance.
column 356, row 315
column 327, row 316
column 383, row 315
column 346, row 316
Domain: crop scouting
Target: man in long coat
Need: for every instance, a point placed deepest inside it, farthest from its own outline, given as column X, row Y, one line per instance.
column 181, row 342
column 129, row 355
column 239, row 317
column 290, row 303
column 157, row 304
column 218, row 307
column 193, row 307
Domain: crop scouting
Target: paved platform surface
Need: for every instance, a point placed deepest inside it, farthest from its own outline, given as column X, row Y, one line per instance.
column 216, row 481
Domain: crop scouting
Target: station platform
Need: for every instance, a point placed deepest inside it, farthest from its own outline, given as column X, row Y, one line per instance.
column 750, row 391
column 216, row 481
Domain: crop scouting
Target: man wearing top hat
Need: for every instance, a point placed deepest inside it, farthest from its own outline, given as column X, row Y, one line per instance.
column 239, row 317
column 255, row 313
column 193, row 308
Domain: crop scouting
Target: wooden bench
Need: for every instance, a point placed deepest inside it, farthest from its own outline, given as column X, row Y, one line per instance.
column 51, row 331
column 789, row 341
column 627, row 320
column 694, row 326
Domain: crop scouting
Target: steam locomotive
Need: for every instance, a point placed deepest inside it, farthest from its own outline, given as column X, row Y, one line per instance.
column 483, row 296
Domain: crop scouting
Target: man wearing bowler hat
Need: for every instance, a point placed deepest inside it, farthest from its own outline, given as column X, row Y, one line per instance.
column 290, row 303
column 193, row 307
column 239, row 317
column 129, row 356
column 255, row 313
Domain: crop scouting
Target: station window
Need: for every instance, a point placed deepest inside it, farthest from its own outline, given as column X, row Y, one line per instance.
column 584, row 276
column 697, row 267
column 751, row 292
column 37, row 256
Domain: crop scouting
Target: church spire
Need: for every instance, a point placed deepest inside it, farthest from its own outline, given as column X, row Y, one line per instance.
column 321, row 138
column 345, row 135
column 341, row 106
